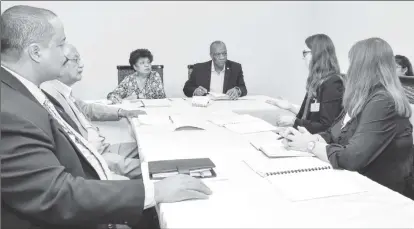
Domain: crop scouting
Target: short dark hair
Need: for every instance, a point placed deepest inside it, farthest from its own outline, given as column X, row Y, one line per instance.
column 404, row 62
column 23, row 25
column 139, row 53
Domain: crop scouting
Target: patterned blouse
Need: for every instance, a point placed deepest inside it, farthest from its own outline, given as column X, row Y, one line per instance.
column 153, row 87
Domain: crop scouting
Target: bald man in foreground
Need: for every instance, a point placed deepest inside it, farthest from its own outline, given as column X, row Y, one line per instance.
column 218, row 75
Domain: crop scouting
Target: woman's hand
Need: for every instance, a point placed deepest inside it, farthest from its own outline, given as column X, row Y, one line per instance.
column 115, row 100
column 281, row 103
column 297, row 139
column 285, row 120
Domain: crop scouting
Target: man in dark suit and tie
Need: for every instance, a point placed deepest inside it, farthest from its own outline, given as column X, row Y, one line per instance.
column 218, row 75
column 50, row 176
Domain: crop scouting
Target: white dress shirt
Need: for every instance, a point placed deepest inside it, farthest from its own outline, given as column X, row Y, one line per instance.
column 217, row 79
column 90, row 153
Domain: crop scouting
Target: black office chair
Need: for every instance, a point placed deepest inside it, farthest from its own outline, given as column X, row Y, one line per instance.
column 126, row 70
column 190, row 70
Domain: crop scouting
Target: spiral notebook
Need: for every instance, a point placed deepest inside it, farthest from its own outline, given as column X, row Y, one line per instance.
column 289, row 165
column 305, row 178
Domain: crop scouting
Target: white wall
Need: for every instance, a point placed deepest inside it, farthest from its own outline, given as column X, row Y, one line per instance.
column 348, row 22
column 266, row 37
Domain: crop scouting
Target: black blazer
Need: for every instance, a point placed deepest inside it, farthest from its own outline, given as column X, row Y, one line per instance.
column 201, row 76
column 377, row 143
column 329, row 96
column 45, row 181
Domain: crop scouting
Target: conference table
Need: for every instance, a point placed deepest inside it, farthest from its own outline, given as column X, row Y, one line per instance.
column 241, row 198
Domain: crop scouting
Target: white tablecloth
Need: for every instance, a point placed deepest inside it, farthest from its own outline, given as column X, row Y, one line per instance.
column 241, row 198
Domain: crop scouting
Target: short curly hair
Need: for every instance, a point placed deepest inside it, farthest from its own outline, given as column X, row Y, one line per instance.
column 139, row 53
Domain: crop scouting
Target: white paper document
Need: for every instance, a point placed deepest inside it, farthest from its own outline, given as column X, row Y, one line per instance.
column 156, row 102
column 251, row 127
column 186, row 122
column 154, row 120
column 233, row 119
column 315, row 185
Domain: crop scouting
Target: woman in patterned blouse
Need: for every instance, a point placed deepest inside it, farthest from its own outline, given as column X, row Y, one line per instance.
column 405, row 72
column 146, row 84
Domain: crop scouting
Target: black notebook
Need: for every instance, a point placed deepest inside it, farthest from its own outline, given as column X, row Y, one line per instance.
column 196, row 167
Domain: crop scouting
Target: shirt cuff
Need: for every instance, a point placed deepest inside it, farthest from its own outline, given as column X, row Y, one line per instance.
column 149, row 187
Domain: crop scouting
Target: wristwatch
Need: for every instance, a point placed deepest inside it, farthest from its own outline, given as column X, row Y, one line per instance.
column 311, row 146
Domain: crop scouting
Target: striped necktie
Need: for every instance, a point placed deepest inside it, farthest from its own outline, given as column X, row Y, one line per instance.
column 91, row 154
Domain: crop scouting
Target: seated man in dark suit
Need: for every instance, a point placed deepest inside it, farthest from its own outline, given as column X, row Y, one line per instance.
column 219, row 75
column 50, row 176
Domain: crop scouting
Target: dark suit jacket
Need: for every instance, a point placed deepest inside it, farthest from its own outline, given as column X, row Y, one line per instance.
column 201, row 76
column 62, row 112
column 45, row 181
column 329, row 96
column 377, row 142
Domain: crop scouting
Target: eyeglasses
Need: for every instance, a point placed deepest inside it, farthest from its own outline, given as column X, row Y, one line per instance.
column 304, row 53
column 219, row 54
column 76, row 59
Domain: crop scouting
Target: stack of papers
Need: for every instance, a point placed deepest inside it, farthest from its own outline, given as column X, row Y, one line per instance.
column 200, row 101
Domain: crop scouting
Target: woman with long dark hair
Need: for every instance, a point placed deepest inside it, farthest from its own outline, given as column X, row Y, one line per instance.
column 324, row 87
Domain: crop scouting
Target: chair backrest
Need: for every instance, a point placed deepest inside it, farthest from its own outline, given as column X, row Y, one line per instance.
column 126, row 70
column 190, row 70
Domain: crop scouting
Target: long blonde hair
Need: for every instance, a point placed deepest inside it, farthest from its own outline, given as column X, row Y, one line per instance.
column 372, row 65
column 324, row 62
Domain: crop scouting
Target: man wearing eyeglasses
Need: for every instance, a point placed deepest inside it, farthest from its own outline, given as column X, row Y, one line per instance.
column 218, row 75
column 122, row 158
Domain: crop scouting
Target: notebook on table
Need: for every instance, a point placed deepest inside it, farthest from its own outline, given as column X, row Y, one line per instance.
column 279, row 166
column 316, row 185
column 196, row 167
column 304, row 178
column 276, row 149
